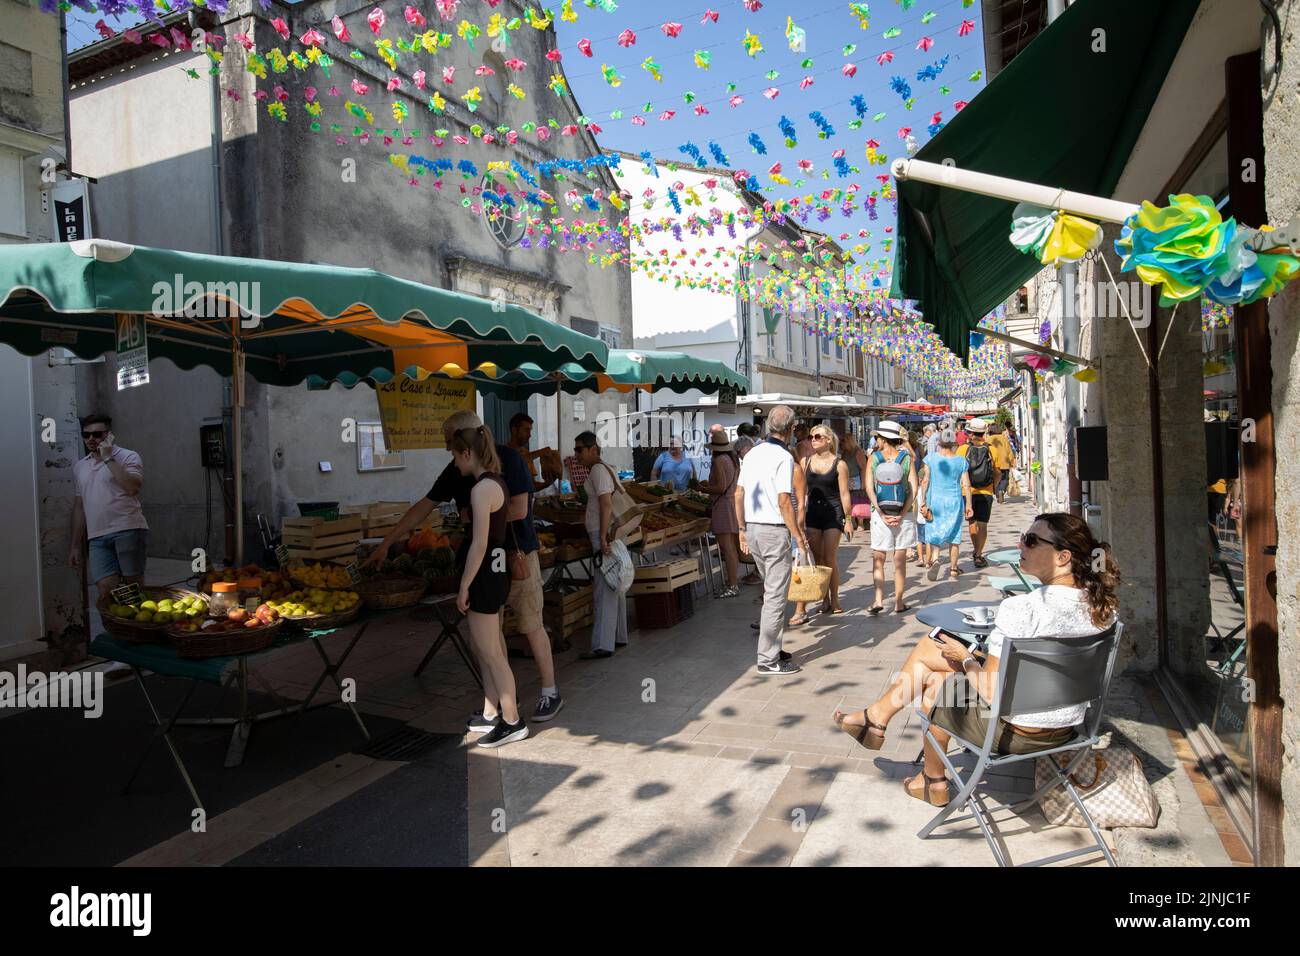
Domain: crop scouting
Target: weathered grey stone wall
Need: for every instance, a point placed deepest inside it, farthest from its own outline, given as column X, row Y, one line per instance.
column 1282, row 182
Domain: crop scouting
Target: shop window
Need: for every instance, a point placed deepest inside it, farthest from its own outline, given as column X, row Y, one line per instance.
column 585, row 326
column 372, row 453
column 1022, row 299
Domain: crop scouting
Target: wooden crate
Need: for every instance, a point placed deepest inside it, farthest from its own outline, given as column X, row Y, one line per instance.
column 650, row 540
column 317, row 538
column 567, row 596
column 380, row 517
column 639, row 491
column 663, row 578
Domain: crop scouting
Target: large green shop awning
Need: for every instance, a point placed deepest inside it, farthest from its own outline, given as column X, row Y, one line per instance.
column 1063, row 113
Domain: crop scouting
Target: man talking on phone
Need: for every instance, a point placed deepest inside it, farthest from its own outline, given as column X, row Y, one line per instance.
column 107, row 508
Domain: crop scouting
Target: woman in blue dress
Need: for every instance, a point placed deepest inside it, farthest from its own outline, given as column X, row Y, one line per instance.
column 945, row 489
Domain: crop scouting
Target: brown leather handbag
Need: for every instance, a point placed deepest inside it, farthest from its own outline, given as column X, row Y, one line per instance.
column 517, row 559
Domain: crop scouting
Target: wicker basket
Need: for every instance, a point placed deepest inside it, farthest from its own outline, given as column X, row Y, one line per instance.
column 137, row 633
column 196, row 644
column 809, row 583
column 385, row 594
column 322, row 622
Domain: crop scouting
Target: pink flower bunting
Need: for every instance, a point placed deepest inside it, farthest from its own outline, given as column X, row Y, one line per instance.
column 709, row 15
column 806, row 165
column 667, row 115
column 774, row 169
column 735, row 101
column 553, row 55
column 516, row 64
column 312, row 37
column 418, row 77
column 543, row 133
column 570, row 130
column 850, row 70
column 806, row 82
column 924, row 44
column 753, row 6
column 584, row 46
column 280, row 93
column 359, row 88
column 449, row 75
column 903, row 131
column 886, row 57
column 132, row 36
column 281, row 27
column 376, row 19
column 462, row 140
column 393, row 83
column 484, row 70
column 671, row 29
column 626, row 39
column 959, row 105
column 104, row 29
column 334, row 91
column 937, row 117
column 636, row 121
column 180, row 40
column 447, row 8
column 244, row 40
column 158, row 39
column 413, row 16
column 234, row 95
column 701, row 110
column 966, row 27
column 771, row 92
column 309, row 94
column 260, row 95
column 340, row 29
column 838, row 154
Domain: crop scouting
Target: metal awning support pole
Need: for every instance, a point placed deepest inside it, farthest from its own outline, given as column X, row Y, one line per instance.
column 559, row 425
column 236, row 436
column 1035, row 347
column 1013, row 190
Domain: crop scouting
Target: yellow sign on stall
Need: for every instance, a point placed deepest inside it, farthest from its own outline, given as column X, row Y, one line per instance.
column 413, row 412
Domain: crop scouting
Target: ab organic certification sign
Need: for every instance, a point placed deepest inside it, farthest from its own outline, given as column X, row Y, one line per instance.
column 413, row 412
column 132, row 352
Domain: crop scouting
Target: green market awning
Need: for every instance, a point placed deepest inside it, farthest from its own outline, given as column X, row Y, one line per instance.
column 297, row 320
column 1062, row 113
column 628, row 369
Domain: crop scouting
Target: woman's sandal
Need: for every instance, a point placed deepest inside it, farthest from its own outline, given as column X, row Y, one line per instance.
column 870, row 735
column 799, row 620
column 954, row 574
column 875, row 609
column 928, row 782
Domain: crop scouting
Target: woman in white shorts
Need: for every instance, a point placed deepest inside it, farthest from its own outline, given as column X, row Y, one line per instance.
column 891, row 484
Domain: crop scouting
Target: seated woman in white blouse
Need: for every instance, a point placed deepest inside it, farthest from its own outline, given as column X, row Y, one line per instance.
column 1074, row 601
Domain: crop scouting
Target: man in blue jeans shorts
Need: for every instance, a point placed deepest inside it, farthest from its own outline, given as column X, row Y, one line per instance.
column 107, row 508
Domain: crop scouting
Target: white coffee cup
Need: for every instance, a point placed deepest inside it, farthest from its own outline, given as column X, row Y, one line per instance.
column 979, row 615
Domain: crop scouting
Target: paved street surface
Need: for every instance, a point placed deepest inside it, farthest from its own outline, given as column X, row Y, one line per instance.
column 673, row 752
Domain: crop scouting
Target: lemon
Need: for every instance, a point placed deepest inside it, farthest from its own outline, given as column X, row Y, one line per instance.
column 143, row 617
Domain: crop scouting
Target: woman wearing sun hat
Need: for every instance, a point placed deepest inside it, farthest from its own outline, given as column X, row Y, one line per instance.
column 891, row 484
column 721, row 488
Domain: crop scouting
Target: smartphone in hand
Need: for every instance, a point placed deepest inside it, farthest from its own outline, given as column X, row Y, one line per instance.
column 938, row 634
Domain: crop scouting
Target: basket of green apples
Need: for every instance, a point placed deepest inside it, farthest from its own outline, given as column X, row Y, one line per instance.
column 146, row 622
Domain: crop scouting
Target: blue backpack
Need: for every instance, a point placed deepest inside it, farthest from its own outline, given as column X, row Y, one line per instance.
column 890, row 479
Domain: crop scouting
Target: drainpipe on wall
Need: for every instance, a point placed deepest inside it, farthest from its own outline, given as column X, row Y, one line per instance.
column 1069, row 276
column 1036, row 407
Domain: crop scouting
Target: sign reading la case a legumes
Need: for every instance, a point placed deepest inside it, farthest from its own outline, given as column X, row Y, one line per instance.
column 413, row 413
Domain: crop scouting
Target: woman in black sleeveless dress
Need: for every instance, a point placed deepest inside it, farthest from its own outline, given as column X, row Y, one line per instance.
column 827, row 507
column 485, row 577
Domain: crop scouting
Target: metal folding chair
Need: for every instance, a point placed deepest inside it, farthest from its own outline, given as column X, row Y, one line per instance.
column 1036, row 674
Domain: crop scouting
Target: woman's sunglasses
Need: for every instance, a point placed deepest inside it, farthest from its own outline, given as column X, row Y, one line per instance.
column 1031, row 540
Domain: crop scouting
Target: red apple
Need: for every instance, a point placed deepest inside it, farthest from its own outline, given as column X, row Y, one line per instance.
column 237, row 614
column 253, row 622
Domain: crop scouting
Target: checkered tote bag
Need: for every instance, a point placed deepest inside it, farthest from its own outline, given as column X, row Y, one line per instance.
column 1115, row 792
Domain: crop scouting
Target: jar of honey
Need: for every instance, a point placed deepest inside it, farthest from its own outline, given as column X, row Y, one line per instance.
column 225, row 598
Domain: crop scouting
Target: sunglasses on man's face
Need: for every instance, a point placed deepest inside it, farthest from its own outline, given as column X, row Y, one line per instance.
column 1031, row 540
column 93, row 434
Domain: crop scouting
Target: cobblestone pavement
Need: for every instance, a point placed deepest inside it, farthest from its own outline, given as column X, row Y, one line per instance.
column 676, row 752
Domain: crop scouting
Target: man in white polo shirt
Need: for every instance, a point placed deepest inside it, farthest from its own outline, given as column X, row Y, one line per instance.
column 107, row 508
column 765, row 510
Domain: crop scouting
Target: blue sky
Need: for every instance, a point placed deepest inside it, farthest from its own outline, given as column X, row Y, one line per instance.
column 829, row 27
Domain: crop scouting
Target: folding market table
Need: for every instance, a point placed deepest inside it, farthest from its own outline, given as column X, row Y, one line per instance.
column 236, row 669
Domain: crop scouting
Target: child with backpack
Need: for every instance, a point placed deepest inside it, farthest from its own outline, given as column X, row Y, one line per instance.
column 891, row 484
column 984, row 475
